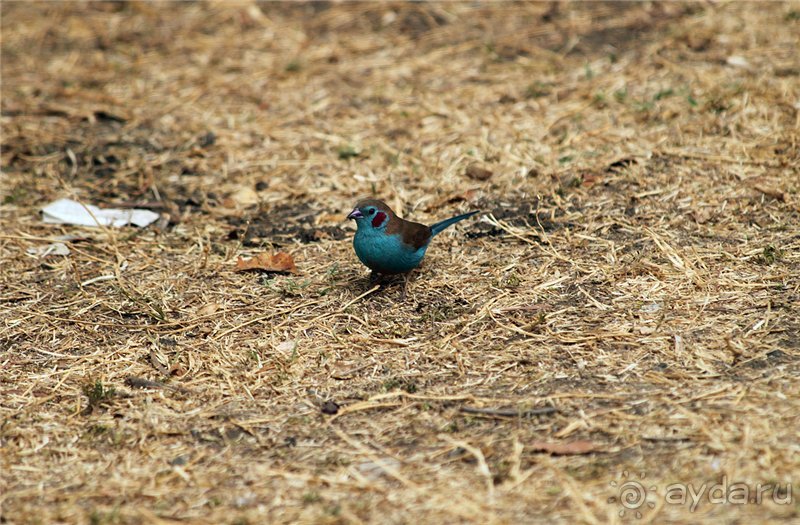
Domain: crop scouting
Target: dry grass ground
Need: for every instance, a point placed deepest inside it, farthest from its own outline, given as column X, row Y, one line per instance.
column 629, row 301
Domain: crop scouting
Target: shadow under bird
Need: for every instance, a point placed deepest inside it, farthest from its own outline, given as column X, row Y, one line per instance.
column 388, row 244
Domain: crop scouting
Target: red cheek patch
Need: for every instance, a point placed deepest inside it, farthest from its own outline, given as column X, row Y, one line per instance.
column 378, row 219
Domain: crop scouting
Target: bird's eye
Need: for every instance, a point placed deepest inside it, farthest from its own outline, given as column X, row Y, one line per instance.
column 370, row 211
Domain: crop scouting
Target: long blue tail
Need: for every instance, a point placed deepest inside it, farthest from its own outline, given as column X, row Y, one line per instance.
column 439, row 226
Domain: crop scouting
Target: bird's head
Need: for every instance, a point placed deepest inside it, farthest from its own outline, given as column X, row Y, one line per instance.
column 371, row 213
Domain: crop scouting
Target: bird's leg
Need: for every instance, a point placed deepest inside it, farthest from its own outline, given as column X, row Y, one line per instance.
column 405, row 287
column 375, row 278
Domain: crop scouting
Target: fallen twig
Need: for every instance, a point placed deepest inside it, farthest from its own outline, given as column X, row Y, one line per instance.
column 509, row 412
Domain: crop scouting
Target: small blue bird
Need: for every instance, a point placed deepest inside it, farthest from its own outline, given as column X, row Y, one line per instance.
column 389, row 245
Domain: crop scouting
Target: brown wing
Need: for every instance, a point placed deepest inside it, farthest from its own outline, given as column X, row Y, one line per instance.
column 413, row 234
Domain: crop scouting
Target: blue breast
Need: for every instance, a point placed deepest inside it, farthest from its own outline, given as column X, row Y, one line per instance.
column 384, row 253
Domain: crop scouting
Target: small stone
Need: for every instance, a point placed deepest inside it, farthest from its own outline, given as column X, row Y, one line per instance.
column 329, row 407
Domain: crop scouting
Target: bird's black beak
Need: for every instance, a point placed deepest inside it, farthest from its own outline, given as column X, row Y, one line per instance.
column 355, row 214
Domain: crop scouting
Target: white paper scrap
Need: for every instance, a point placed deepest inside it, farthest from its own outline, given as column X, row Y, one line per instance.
column 68, row 211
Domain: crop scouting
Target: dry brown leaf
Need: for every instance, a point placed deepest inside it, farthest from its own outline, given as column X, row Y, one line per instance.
column 590, row 179
column 476, row 172
column 563, row 449
column 771, row 192
column 280, row 262
column 208, row 309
